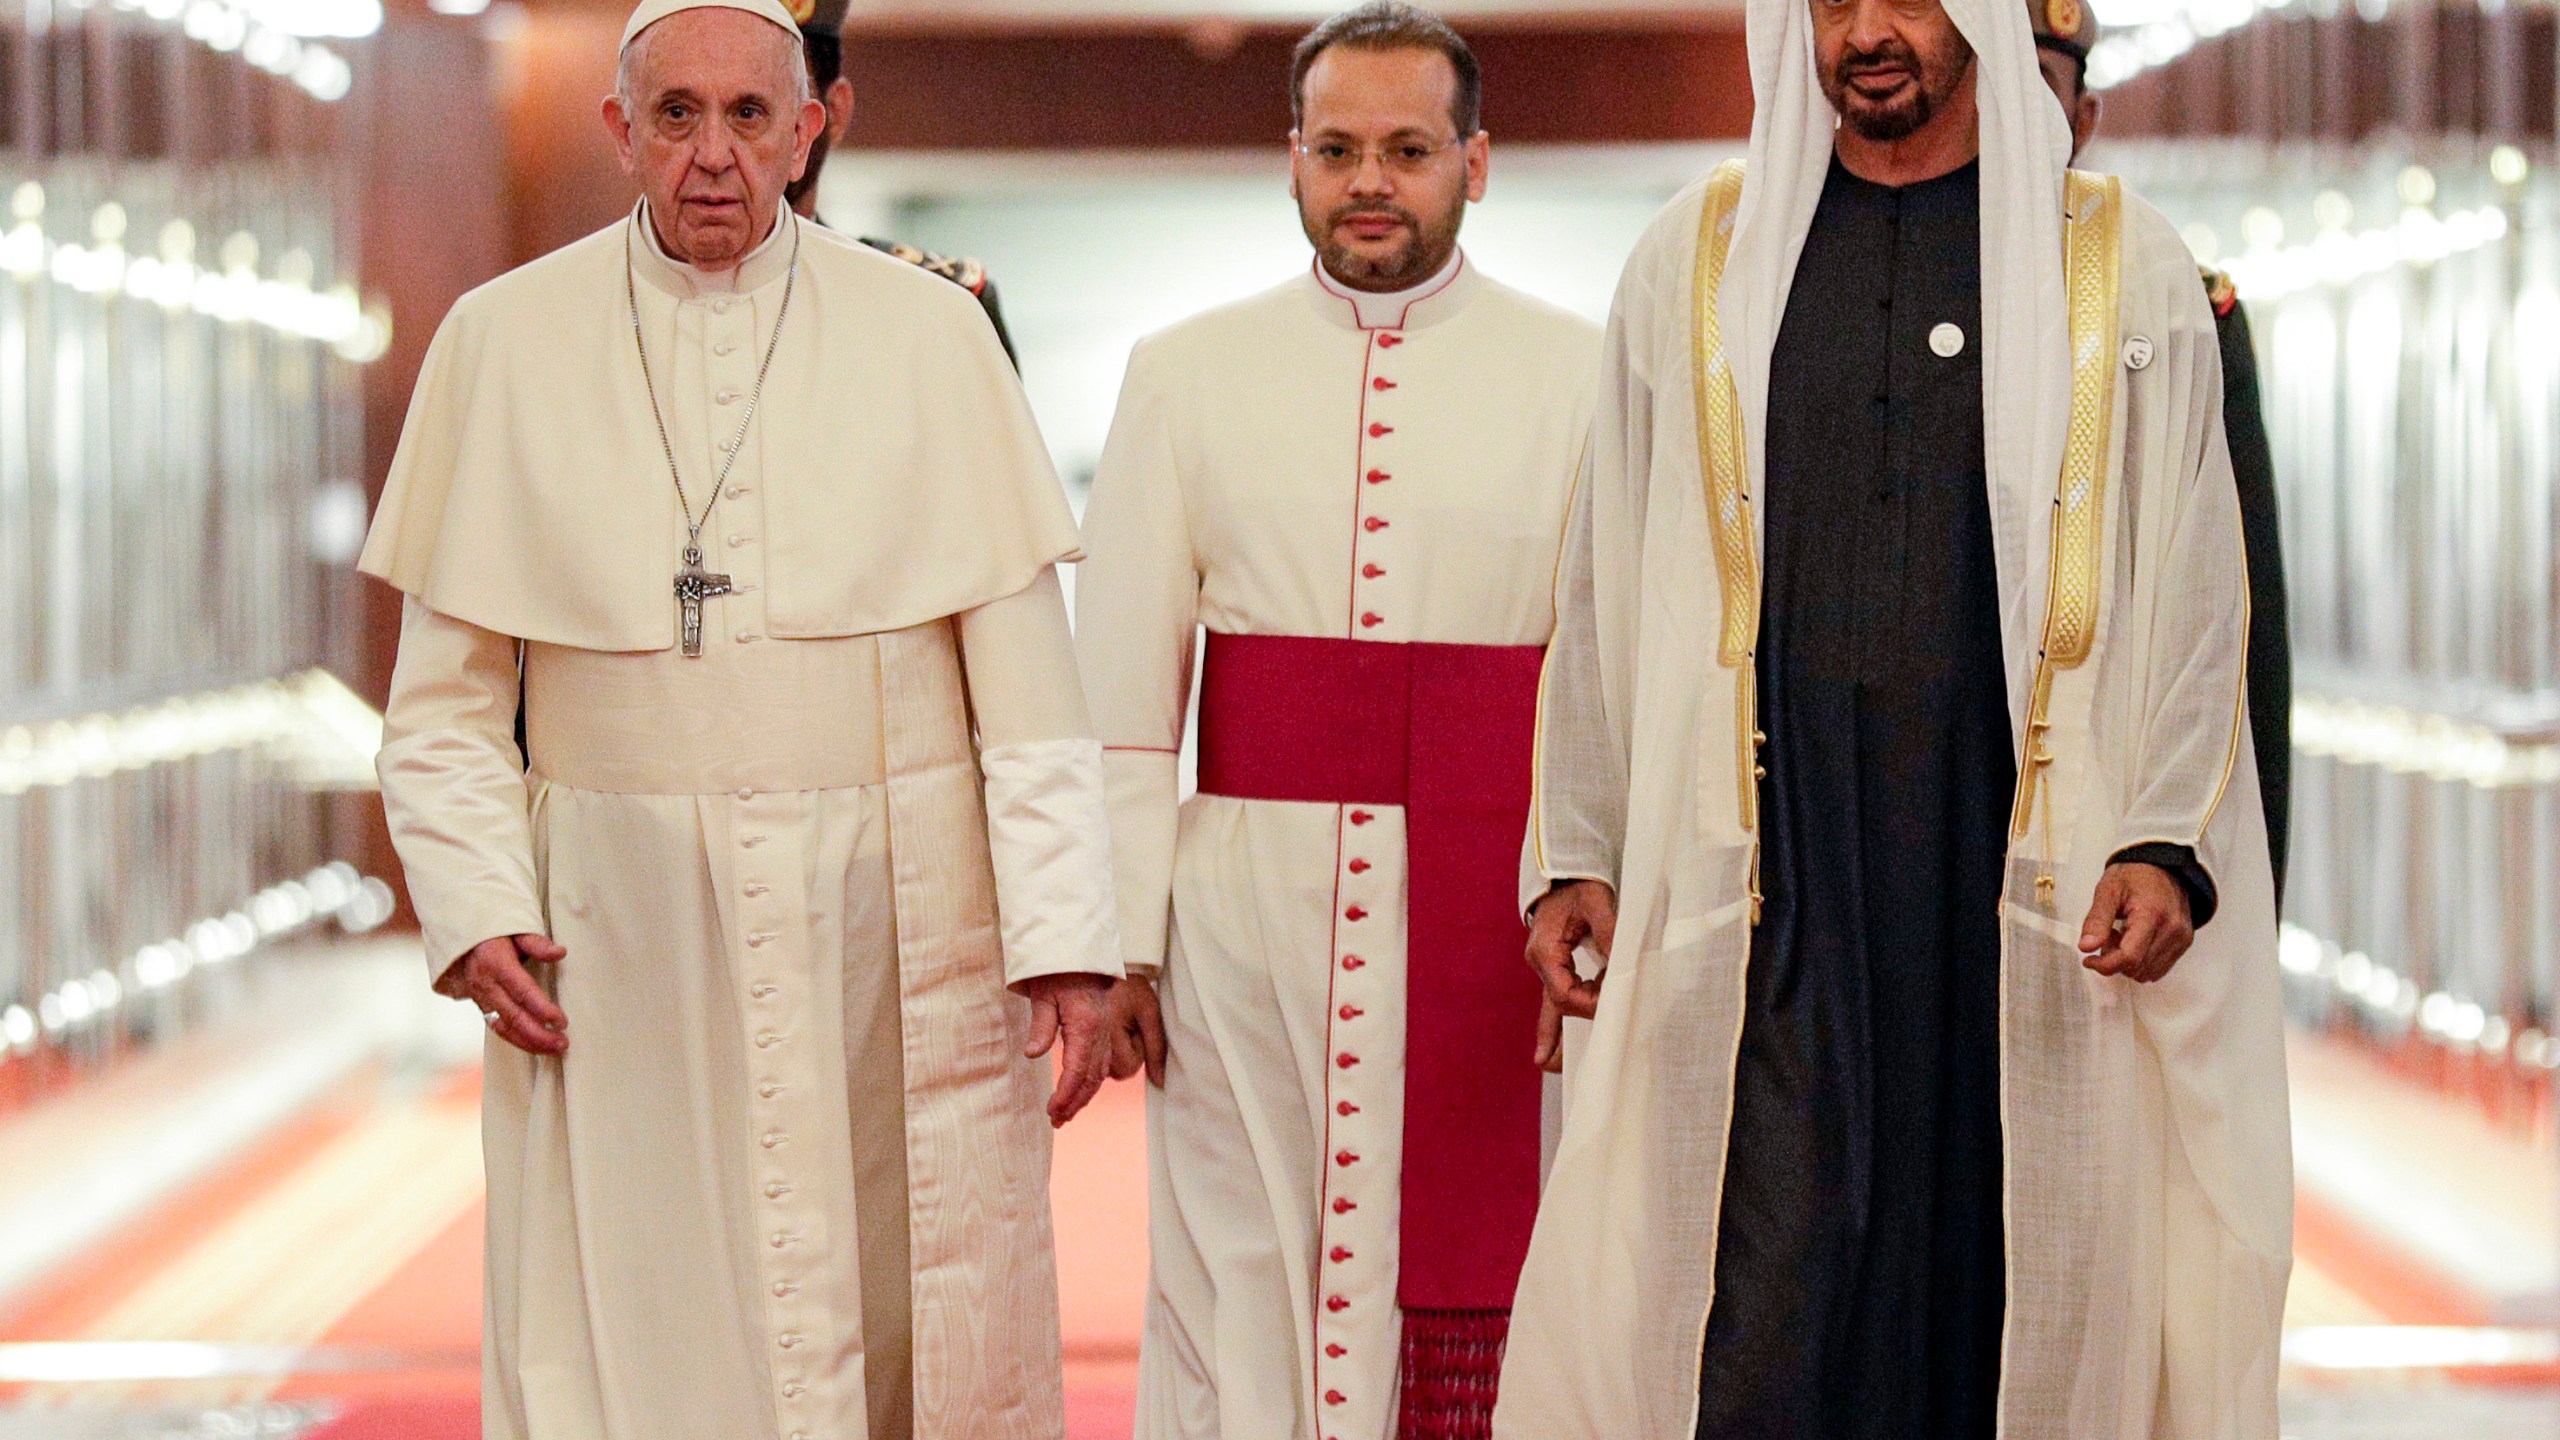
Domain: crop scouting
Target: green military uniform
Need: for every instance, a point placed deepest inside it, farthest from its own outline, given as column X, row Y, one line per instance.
column 822, row 45
column 2068, row 28
column 2270, row 647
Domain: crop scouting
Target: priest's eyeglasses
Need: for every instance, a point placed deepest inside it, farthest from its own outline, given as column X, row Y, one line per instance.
column 1397, row 157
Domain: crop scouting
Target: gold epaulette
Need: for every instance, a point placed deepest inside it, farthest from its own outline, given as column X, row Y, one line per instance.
column 2219, row 289
column 966, row 273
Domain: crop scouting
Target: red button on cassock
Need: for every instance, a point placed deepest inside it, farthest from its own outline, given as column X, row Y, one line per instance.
column 1361, row 817
column 1350, row 1012
column 1374, row 476
column 1344, row 1207
column 1345, row 1158
column 1352, row 962
column 1345, row 1060
column 1336, row 1304
column 1380, row 427
column 1382, row 383
column 1355, row 914
column 1345, row 1108
column 1339, row 1255
column 1359, row 867
column 1389, row 340
column 1335, row 1352
column 1371, row 620
column 1371, row 572
column 1334, row 1397
column 1373, row 524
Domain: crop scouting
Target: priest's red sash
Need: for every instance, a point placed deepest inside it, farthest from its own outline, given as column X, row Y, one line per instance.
column 1446, row 731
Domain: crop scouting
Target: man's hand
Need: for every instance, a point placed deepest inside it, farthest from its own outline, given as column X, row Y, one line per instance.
column 1072, row 1013
column 491, row 975
column 2139, row 924
column 1570, row 914
column 1137, row 1031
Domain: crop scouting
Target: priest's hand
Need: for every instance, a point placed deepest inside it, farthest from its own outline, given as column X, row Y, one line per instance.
column 1569, row 915
column 2138, row 926
column 1071, row 1013
column 1137, row 1031
column 492, row 976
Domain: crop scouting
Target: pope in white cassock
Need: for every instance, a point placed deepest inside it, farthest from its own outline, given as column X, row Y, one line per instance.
column 1356, row 482
column 1894, row 780
column 747, row 531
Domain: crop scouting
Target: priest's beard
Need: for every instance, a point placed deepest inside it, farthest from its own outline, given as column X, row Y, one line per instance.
column 1935, row 77
column 1426, row 247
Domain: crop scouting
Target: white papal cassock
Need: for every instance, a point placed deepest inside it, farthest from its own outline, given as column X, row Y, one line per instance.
column 790, row 1180
column 2145, row 1158
column 1300, row 464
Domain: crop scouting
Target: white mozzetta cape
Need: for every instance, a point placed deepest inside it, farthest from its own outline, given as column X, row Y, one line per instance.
column 2147, row 1170
column 907, row 480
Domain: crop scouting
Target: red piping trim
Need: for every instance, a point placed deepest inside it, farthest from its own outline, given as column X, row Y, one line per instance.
column 1326, row 283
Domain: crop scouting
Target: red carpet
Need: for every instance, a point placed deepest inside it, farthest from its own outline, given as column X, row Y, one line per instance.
column 450, row 1419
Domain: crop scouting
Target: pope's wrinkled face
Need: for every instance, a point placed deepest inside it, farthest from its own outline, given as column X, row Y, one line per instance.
column 1380, row 172
column 713, row 117
column 1888, row 67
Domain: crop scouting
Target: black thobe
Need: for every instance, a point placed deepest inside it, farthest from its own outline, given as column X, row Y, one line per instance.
column 1859, row 1274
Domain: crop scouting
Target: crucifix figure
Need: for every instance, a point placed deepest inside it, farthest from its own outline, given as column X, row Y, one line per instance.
column 693, row 586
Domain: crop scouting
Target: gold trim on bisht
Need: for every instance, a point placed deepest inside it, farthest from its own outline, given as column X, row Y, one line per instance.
column 1727, row 472
column 2092, row 255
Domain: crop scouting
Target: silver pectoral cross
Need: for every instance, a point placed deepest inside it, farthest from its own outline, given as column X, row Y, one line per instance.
column 693, row 586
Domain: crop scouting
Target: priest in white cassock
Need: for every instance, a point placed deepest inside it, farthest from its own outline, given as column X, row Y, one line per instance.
column 1356, row 482
column 1894, row 765
column 746, row 530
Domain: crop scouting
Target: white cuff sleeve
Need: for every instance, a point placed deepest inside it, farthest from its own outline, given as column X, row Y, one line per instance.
column 1051, row 843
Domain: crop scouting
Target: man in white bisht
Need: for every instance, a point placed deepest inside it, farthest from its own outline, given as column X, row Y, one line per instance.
column 1892, row 751
column 1356, row 482
column 747, row 530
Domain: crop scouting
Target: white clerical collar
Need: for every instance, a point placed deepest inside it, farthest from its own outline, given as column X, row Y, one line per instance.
column 1391, row 309
column 763, row 265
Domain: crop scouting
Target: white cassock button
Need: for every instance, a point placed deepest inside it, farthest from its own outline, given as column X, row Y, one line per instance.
column 767, row 1040
column 792, row 1391
column 725, row 347
column 748, row 637
column 788, row 1340
column 746, row 794
column 728, row 445
column 737, row 542
column 757, row 889
column 768, row 1090
column 727, row 397
column 720, row 306
column 776, row 1191
column 785, row 1289
column 752, row 841
column 1946, row 341
column 773, row 1139
column 781, row 1238
column 760, row 939
column 2137, row 353
column 761, row 992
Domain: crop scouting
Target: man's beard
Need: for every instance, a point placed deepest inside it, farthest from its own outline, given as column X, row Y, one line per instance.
column 1425, row 249
column 793, row 193
column 1935, row 80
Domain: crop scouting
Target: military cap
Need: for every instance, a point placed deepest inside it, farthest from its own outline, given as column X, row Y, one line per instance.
column 2064, row 25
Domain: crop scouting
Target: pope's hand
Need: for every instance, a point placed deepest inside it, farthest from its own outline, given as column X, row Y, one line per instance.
column 492, row 976
column 1569, row 915
column 1073, row 1014
column 2139, row 924
column 1137, row 1031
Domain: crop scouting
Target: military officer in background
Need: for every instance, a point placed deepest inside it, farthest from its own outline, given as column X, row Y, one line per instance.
column 822, row 42
column 2065, row 29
